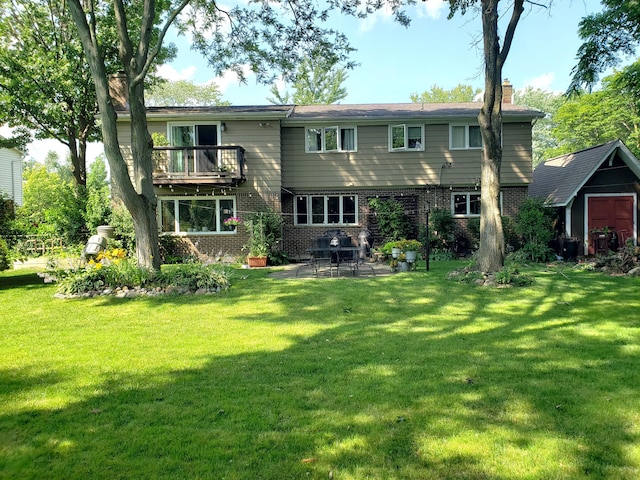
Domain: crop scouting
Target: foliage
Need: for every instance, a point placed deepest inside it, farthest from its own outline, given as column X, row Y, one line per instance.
column 317, row 81
column 459, row 94
column 441, row 254
column 442, row 229
column 4, row 255
column 194, row 276
column 51, row 205
column 593, row 118
column 122, row 224
column 265, row 233
column 98, row 204
column 7, row 214
column 511, row 275
column 183, row 93
column 607, row 37
column 391, row 218
column 543, row 137
column 535, row 225
column 409, row 245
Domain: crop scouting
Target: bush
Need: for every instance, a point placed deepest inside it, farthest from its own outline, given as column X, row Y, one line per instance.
column 195, row 276
column 442, row 229
column 4, row 255
column 391, row 219
column 534, row 224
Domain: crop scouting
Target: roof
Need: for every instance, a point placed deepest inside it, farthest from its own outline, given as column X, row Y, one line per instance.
column 559, row 179
column 361, row 112
column 403, row 110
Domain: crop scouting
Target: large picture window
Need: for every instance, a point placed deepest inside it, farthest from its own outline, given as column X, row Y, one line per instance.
column 326, row 209
column 464, row 137
column 195, row 214
column 331, row 139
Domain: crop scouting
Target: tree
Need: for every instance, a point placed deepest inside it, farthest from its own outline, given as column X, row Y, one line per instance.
column 98, row 205
column 316, row 82
column 492, row 250
column 593, row 118
column 459, row 94
column 255, row 34
column 44, row 83
column 544, row 141
column 607, row 37
column 183, row 93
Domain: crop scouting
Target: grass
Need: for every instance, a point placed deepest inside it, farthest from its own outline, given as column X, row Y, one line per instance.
column 402, row 377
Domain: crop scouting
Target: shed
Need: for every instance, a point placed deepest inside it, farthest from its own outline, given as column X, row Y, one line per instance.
column 593, row 189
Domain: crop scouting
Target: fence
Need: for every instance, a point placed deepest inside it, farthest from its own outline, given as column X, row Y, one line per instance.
column 34, row 245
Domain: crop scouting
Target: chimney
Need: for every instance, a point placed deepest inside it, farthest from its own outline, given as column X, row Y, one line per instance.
column 118, row 91
column 507, row 92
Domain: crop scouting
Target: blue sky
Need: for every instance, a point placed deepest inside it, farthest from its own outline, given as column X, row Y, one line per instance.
column 396, row 61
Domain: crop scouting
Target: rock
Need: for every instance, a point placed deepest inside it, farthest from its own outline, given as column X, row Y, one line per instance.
column 634, row 272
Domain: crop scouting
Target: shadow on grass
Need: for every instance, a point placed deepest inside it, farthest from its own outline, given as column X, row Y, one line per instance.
column 423, row 380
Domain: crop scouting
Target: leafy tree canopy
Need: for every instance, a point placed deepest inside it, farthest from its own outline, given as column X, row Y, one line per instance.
column 608, row 37
column 317, row 82
column 458, row 94
column 183, row 93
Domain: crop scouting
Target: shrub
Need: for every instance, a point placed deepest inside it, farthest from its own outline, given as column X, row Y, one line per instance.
column 534, row 224
column 391, row 219
column 195, row 276
column 4, row 255
column 442, row 229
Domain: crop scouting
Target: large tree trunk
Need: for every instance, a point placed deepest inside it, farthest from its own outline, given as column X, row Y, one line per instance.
column 491, row 251
column 139, row 199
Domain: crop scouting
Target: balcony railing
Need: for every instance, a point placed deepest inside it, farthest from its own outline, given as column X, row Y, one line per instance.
column 202, row 164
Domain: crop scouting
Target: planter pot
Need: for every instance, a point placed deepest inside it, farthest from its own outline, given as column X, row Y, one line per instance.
column 404, row 266
column 411, row 256
column 257, row 261
column 395, row 252
column 105, row 231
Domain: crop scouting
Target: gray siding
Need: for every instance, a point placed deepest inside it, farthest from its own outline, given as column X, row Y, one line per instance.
column 11, row 174
column 373, row 166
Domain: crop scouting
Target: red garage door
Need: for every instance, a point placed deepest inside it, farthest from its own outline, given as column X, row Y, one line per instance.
column 613, row 212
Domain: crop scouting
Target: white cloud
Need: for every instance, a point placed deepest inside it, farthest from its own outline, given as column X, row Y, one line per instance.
column 229, row 77
column 431, row 8
column 542, row 82
column 170, row 73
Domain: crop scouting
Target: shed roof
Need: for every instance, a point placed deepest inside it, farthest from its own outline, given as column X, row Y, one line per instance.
column 559, row 179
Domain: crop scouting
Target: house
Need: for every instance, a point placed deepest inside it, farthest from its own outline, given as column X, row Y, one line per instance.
column 320, row 165
column 11, row 174
column 596, row 192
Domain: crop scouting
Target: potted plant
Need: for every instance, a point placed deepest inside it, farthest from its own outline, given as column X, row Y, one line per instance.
column 258, row 247
column 232, row 222
column 410, row 249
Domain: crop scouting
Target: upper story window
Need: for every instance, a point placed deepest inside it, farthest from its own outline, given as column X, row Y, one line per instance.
column 326, row 209
column 464, row 137
column 331, row 139
column 406, row 137
column 196, row 214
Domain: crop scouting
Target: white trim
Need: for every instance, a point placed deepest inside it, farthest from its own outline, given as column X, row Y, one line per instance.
column 308, row 201
column 323, row 145
column 406, row 127
column 586, row 214
column 468, row 193
column 176, row 230
column 568, row 218
column 193, row 124
column 466, row 136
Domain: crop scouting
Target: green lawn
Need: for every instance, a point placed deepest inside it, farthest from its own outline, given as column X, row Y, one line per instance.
column 407, row 376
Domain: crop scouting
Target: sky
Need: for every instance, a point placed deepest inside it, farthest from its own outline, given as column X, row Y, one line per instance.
column 395, row 61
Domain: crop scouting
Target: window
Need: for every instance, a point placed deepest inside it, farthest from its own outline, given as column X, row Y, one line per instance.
column 465, row 137
column 406, row 137
column 195, row 214
column 331, row 139
column 465, row 204
column 326, row 209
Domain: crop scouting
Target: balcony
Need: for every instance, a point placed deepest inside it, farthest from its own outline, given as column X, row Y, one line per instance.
column 198, row 165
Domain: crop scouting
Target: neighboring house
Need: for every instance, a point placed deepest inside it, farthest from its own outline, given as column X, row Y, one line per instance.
column 320, row 165
column 11, row 173
column 594, row 189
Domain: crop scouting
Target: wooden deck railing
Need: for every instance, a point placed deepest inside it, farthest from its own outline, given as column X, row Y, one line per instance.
column 202, row 164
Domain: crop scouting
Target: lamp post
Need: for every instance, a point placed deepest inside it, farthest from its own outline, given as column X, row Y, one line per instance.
column 427, row 243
